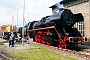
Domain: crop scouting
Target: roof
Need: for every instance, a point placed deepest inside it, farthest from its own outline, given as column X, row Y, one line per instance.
column 5, row 25
column 57, row 5
column 67, row 1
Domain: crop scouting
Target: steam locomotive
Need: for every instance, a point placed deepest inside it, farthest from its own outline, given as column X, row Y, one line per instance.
column 56, row 29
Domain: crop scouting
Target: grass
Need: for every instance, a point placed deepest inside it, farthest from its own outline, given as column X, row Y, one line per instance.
column 1, row 44
column 40, row 53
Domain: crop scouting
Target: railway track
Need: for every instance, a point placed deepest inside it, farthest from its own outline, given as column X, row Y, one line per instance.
column 3, row 57
column 80, row 54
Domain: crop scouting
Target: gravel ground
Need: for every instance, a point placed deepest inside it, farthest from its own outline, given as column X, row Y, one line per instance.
column 6, row 50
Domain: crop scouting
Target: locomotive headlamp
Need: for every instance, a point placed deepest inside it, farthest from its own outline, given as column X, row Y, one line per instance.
column 70, row 39
column 85, row 39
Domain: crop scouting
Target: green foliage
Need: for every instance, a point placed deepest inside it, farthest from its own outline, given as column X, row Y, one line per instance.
column 20, row 30
column 1, row 44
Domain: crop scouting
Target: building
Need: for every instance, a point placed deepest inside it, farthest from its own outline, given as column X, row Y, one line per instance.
column 80, row 6
column 7, row 28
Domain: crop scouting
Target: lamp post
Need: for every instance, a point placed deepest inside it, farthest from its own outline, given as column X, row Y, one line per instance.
column 23, row 23
column 17, row 18
column 12, row 22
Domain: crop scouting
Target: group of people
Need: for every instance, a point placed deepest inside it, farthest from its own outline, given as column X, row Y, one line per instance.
column 18, row 37
column 13, row 38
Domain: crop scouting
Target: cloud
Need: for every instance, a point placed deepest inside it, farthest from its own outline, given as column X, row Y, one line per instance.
column 39, row 8
column 12, row 4
column 34, row 10
column 5, row 15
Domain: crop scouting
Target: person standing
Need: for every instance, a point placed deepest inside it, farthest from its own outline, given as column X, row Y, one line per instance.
column 28, row 37
column 12, row 38
column 19, row 38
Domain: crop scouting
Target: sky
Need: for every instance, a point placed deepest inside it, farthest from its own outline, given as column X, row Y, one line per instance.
column 34, row 10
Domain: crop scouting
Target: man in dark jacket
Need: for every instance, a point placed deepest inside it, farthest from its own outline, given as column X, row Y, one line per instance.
column 12, row 38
